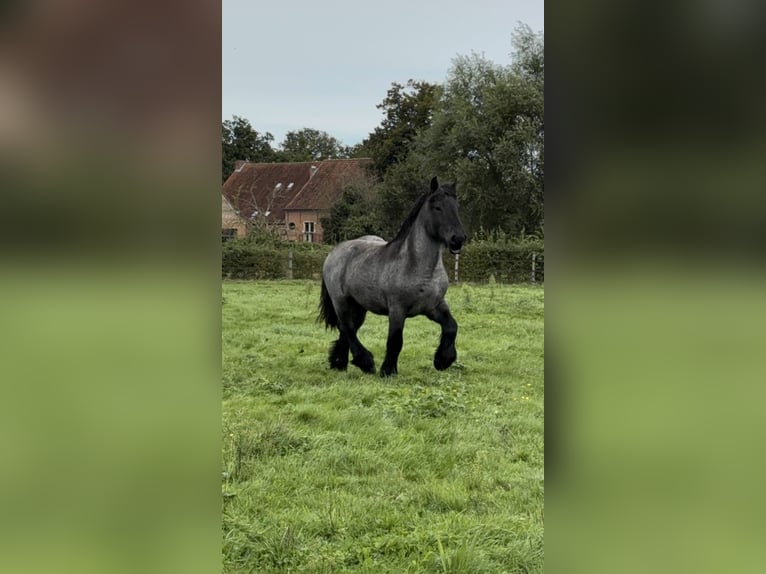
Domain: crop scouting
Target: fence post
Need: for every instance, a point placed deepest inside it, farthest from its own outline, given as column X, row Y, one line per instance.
column 457, row 258
column 290, row 264
column 534, row 261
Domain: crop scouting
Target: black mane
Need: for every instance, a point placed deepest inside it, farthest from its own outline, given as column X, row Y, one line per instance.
column 404, row 230
column 447, row 188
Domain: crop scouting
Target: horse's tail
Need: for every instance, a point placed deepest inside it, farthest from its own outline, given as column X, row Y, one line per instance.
column 326, row 309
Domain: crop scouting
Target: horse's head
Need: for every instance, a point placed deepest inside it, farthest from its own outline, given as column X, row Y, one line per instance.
column 441, row 216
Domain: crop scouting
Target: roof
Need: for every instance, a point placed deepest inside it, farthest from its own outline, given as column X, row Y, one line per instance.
column 265, row 187
column 326, row 186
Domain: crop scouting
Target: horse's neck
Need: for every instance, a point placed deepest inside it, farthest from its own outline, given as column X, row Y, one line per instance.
column 428, row 250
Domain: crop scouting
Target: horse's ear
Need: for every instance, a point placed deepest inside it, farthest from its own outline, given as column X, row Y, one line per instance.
column 434, row 184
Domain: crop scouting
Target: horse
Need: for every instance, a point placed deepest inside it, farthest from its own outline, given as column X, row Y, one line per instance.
column 402, row 278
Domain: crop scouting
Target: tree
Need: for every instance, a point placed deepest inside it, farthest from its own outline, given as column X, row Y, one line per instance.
column 528, row 55
column 311, row 145
column 408, row 110
column 241, row 142
column 488, row 134
column 353, row 215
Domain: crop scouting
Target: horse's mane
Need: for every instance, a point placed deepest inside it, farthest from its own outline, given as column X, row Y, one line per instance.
column 404, row 230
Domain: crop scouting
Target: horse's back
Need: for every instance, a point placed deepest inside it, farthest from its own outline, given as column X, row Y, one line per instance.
column 352, row 269
column 351, row 253
column 373, row 238
column 348, row 250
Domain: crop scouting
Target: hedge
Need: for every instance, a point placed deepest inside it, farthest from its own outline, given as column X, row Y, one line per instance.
column 506, row 262
column 242, row 259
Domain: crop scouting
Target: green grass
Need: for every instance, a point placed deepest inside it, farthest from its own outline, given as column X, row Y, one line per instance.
column 429, row 471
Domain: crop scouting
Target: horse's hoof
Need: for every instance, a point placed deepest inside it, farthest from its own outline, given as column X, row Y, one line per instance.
column 386, row 371
column 442, row 362
column 338, row 362
column 366, row 364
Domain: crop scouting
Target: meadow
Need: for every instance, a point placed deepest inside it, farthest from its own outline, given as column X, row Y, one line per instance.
column 332, row 472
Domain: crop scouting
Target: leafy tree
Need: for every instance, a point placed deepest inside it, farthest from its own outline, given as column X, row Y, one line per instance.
column 488, row 134
column 528, row 55
column 311, row 145
column 353, row 215
column 241, row 142
column 358, row 151
column 408, row 110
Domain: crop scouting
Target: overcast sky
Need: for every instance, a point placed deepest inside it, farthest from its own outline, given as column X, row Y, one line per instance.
column 290, row 64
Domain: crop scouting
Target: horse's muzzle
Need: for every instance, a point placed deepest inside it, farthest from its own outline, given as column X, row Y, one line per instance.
column 455, row 244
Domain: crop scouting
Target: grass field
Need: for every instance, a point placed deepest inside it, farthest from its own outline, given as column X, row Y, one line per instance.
column 429, row 471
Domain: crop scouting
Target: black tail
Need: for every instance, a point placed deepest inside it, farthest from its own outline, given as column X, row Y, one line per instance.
column 326, row 309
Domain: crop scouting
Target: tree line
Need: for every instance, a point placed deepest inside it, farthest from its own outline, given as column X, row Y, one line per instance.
column 482, row 128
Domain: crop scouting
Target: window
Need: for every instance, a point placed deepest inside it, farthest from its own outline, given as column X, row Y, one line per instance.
column 291, row 225
column 308, row 231
column 227, row 234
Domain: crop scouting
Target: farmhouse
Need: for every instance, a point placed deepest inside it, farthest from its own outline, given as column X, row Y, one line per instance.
column 232, row 225
column 292, row 197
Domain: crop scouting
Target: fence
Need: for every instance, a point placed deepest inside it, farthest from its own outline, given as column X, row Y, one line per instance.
column 248, row 261
column 536, row 271
column 503, row 263
column 477, row 262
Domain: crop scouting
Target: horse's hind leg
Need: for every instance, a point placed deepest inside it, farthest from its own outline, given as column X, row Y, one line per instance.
column 339, row 353
column 351, row 320
column 445, row 354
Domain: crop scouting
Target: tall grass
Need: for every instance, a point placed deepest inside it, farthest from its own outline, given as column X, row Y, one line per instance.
column 345, row 472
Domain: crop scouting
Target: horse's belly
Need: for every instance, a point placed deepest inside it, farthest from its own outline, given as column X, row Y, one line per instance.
column 425, row 298
column 373, row 304
column 422, row 307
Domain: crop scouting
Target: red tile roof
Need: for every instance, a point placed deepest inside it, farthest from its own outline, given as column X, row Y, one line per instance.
column 255, row 186
column 326, row 185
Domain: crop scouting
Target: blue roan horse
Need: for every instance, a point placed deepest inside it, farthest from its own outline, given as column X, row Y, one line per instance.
column 402, row 278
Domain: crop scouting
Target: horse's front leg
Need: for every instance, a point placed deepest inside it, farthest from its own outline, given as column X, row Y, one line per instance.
column 445, row 353
column 393, row 343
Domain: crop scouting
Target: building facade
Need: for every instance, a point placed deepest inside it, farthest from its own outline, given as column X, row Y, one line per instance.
column 289, row 197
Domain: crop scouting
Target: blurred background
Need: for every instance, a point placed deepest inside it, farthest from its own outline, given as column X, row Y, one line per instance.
column 655, row 282
column 109, row 286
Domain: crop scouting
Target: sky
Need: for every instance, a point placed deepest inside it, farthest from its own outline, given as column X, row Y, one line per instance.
column 293, row 64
